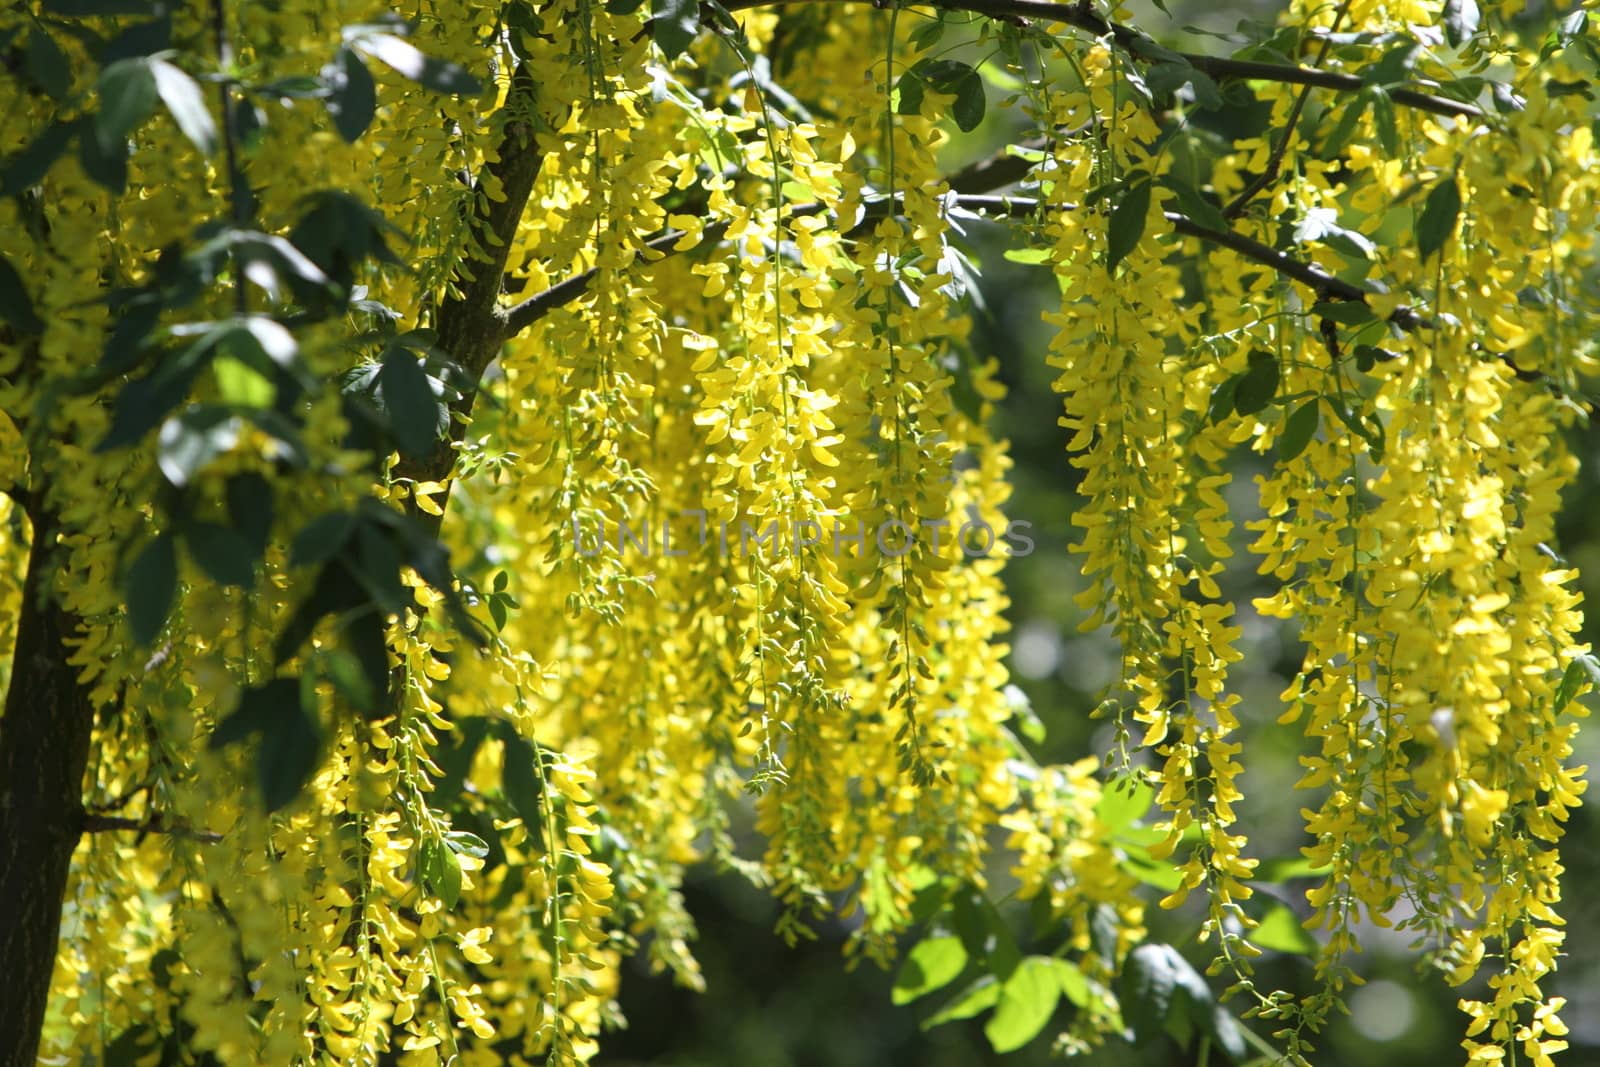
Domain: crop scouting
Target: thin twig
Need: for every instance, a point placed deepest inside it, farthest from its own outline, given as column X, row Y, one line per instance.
column 1275, row 161
column 1142, row 47
column 525, row 314
column 96, row 823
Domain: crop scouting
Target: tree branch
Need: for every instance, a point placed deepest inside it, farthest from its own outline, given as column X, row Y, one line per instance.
column 1082, row 15
column 94, row 823
column 1325, row 285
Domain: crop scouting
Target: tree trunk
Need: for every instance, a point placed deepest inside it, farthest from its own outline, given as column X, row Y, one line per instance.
column 44, row 747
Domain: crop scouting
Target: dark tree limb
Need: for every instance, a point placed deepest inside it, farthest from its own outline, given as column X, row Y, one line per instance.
column 44, row 751
column 94, row 823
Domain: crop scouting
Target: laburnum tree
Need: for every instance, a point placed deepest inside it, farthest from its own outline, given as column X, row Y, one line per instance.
column 458, row 455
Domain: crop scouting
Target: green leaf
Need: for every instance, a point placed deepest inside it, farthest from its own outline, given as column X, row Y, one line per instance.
column 932, row 964
column 1222, row 398
column 241, row 385
column 352, row 97
column 674, row 24
column 1127, row 222
column 520, row 779
column 971, row 103
column 1383, row 114
column 957, row 79
column 250, row 507
column 1258, row 385
column 459, row 841
column 366, row 637
column 16, row 308
column 1168, row 76
column 446, row 883
column 1460, row 18
column 128, row 96
column 222, row 552
column 908, row 93
column 1194, row 204
column 1123, row 802
column 259, row 707
column 1345, row 128
column 978, row 996
column 1283, row 868
column 290, row 751
column 182, row 96
column 322, row 538
column 1280, row 930
column 1074, row 985
column 191, row 440
column 108, row 169
column 344, row 672
column 1439, row 214
column 409, row 400
column 410, row 62
column 1298, row 430
column 1573, row 679
column 150, row 587
column 1344, row 312
column 623, row 7
column 1027, row 1000
column 46, row 65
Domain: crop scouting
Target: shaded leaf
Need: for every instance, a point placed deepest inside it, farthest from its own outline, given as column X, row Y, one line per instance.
column 322, row 538
column 128, row 96
column 352, row 97
column 28, row 167
column 150, row 588
column 1258, row 385
column 46, row 64
column 1439, row 214
column 1127, row 222
column 410, row 402
column 222, row 552
column 288, row 756
column 250, row 507
column 1298, row 430
column 16, row 308
column 674, row 24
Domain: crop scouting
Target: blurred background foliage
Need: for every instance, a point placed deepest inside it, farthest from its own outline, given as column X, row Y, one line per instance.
column 768, row 1005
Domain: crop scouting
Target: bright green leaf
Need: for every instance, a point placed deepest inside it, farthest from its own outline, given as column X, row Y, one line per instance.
column 932, row 964
column 1027, row 1000
column 1280, row 930
column 977, row 997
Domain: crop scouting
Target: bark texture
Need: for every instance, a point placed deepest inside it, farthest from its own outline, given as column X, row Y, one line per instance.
column 44, row 748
